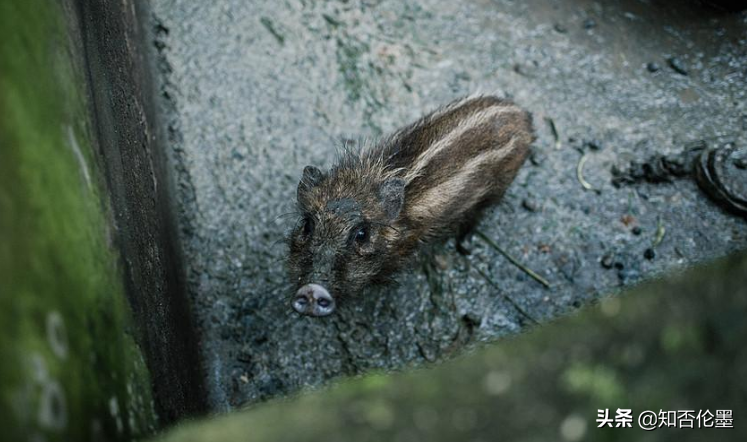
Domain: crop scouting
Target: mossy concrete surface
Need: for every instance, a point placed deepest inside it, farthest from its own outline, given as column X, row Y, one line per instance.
column 70, row 368
column 675, row 345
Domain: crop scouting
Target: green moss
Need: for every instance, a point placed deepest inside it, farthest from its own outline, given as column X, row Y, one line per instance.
column 70, row 370
column 599, row 382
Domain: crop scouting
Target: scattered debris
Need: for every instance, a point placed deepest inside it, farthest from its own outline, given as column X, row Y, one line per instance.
column 333, row 22
column 677, row 65
column 659, row 168
column 267, row 23
column 521, row 70
column 537, row 158
column 554, row 131
column 513, row 260
column 594, row 145
column 627, row 265
column 660, row 232
column 720, row 173
column 580, row 174
column 653, row 67
column 607, row 261
column 628, row 220
column 529, row 204
column 526, row 69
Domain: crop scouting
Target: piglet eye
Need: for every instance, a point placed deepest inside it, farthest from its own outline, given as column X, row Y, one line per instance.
column 361, row 235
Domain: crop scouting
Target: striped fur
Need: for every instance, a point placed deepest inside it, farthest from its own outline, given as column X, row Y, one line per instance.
column 456, row 162
column 450, row 165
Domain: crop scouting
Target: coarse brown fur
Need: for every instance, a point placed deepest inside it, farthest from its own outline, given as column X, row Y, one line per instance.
column 430, row 180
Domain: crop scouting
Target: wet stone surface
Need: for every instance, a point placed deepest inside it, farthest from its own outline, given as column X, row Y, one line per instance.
column 253, row 92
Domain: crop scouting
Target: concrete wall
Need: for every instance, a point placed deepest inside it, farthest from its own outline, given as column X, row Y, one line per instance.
column 81, row 187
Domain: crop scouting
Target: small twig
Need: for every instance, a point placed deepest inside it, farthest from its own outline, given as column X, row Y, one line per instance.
column 660, row 232
column 554, row 131
column 631, row 195
column 511, row 301
column 580, row 173
column 267, row 23
column 513, row 260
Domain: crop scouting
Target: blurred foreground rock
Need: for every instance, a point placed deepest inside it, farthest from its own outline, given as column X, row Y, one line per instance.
column 677, row 344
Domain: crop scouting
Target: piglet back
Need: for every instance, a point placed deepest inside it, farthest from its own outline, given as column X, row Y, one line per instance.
column 457, row 160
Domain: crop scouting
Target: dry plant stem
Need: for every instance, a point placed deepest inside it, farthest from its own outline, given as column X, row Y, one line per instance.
column 580, row 173
column 660, row 232
column 513, row 260
column 511, row 301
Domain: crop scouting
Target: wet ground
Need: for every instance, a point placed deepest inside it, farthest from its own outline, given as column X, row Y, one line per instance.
column 252, row 92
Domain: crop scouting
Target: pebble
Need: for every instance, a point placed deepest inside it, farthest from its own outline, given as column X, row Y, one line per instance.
column 526, row 70
column 636, row 230
column 653, row 67
column 590, row 23
column 593, row 145
column 560, row 28
column 677, row 65
column 537, row 158
column 607, row 261
column 529, row 204
column 649, row 254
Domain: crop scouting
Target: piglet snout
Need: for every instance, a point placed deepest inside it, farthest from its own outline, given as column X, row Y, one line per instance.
column 313, row 300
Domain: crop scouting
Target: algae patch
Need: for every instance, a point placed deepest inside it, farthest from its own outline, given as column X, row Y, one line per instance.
column 71, row 369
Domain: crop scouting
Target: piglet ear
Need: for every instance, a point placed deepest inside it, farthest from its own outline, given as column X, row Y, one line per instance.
column 392, row 196
column 311, row 177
